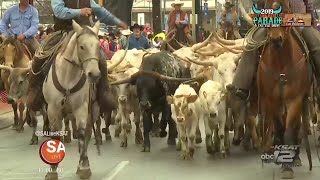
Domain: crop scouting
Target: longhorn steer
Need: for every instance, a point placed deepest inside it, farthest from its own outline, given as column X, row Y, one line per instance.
column 127, row 103
column 153, row 86
column 185, row 108
column 212, row 95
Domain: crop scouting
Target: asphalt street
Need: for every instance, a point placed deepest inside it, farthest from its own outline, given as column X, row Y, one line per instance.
column 20, row 161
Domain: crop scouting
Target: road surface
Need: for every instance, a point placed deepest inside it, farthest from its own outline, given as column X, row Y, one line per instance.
column 20, row 161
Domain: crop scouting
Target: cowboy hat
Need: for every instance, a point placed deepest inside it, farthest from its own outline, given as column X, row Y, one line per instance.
column 228, row 4
column 177, row 2
column 100, row 33
column 135, row 26
column 126, row 32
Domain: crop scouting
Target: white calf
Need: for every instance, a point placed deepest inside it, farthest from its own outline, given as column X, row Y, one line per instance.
column 185, row 107
column 212, row 99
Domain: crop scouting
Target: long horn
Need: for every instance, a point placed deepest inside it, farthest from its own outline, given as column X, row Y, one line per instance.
column 221, row 40
column 113, row 65
column 203, row 44
column 170, row 47
column 230, row 49
column 179, row 43
column 163, row 77
column 202, row 63
column 169, row 34
column 7, row 68
column 245, row 14
column 208, row 53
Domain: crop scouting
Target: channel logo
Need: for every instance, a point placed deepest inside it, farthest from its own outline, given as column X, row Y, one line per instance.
column 52, row 151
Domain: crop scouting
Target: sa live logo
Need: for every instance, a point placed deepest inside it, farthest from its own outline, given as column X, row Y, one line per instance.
column 52, row 151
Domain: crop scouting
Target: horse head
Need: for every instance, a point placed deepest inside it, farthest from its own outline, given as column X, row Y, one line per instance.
column 88, row 49
column 278, row 35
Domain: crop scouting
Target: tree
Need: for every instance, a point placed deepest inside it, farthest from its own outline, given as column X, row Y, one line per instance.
column 120, row 8
column 156, row 16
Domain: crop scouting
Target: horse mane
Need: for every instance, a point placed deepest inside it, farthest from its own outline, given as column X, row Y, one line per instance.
column 17, row 44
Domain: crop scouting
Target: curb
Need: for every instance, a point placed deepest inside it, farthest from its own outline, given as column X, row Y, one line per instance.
column 10, row 124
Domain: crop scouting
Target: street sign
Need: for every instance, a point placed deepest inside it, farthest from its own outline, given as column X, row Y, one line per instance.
column 205, row 9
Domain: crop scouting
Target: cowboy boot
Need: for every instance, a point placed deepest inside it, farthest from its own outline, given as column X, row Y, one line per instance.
column 312, row 39
column 105, row 99
column 247, row 67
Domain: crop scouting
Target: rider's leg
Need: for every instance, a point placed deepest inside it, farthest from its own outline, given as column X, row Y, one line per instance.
column 105, row 98
column 247, row 67
column 312, row 39
column 33, row 45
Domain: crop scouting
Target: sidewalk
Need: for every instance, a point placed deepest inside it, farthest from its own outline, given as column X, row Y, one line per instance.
column 6, row 116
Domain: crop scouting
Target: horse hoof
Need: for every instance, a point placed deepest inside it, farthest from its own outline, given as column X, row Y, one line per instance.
column 171, row 142
column 84, row 173
column 163, row 134
column 198, row 140
column 34, row 141
column 145, row 149
column 287, row 173
column 51, row 176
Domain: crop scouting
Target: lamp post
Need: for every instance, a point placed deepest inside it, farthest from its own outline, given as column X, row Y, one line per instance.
column 194, row 36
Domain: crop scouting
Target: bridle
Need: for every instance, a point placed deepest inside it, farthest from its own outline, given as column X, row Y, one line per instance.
column 81, row 62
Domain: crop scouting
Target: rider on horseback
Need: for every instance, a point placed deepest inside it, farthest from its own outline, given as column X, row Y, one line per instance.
column 247, row 67
column 64, row 11
column 23, row 20
column 229, row 21
column 178, row 19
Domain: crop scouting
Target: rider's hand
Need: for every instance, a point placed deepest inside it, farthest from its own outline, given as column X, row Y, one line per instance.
column 21, row 37
column 85, row 11
column 123, row 25
column 177, row 22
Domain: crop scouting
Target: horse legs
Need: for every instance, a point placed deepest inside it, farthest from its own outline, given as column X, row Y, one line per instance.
column 293, row 116
column 55, row 120
column 67, row 138
column 34, row 137
column 85, row 130
column 138, row 134
column 16, row 117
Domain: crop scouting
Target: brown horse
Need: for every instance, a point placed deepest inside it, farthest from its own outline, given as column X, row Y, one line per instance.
column 284, row 83
column 16, row 55
column 176, row 39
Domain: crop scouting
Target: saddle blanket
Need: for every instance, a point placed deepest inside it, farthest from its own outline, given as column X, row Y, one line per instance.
column 3, row 96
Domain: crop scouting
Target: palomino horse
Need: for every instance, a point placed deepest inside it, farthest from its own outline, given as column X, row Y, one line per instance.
column 68, row 88
column 284, row 83
column 15, row 55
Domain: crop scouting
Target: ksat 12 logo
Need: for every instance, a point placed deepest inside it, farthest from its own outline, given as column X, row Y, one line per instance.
column 52, row 151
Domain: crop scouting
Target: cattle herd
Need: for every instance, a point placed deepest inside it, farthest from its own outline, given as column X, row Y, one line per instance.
column 180, row 89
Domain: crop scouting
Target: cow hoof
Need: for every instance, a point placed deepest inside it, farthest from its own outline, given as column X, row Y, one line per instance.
column 155, row 134
column 318, row 127
column 319, row 140
column 20, row 130
column 198, row 140
column 138, row 140
column 117, row 133
column 171, row 142
column 124, row 143
column 287, row 173
column 51, row 176
column 84, row 173
column 15, row 127
column 314, row 118
column 75, row 134
column 98, row 141
column 246, row 145
column 185, row 155
column 236, row 142
column 145, row 149
column 108, row 138
column 163, row 134
column 191, row 152
column 34, row 140
column 223, row 154
column 297, row 161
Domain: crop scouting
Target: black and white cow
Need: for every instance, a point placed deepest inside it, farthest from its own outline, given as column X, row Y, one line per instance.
column 159, row 76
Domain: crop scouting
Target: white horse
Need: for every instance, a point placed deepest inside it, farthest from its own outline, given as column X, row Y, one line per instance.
column 67, row 89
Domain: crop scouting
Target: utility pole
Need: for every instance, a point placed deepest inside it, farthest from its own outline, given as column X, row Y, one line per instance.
column 156, row 16
column 194, row 36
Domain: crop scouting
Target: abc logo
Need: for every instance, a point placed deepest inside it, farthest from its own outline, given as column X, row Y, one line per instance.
column 52, row 151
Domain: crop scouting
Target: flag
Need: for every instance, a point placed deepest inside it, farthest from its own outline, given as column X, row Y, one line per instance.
column 4, row 96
